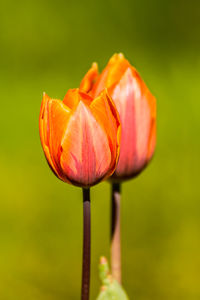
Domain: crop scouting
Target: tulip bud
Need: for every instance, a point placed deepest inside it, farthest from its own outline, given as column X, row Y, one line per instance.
column 80, row 136
column 137, row 110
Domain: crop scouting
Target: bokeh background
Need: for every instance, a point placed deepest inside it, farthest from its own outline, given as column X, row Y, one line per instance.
column 47, row 46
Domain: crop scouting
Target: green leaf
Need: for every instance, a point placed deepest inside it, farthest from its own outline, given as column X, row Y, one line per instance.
column 110, row 289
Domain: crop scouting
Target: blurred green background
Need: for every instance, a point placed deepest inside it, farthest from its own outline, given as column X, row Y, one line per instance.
column 48, row 46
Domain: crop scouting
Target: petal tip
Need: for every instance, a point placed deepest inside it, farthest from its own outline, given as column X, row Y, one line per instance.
column 95, row 65
column 120, row 55
column 117, row 56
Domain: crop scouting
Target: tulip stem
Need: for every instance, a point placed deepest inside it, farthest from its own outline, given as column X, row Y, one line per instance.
column 86, row 245
column 115, row 232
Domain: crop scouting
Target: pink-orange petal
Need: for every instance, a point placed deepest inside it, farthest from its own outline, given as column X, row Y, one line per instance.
column 135, row 116
column 105, row 112
column 86, row 155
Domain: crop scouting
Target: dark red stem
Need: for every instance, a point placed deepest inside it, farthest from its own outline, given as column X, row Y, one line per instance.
column 86, row 245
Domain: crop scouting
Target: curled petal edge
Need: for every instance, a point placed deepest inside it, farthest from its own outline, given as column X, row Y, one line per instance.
column 44, row 137
column 89, row 79
column 116, row 116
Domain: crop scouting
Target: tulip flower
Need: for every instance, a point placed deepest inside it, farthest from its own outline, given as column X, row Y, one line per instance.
column 80, row 137
column 137, row 110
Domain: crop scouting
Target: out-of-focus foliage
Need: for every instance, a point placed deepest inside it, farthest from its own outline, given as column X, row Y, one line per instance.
column 110, row 288
column 48, row 46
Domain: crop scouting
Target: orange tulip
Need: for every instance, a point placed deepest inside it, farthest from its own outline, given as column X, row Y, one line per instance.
column 137, row 110
column 80, row 136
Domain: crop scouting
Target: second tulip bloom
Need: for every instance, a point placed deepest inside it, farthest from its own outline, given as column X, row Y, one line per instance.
column 137, row 110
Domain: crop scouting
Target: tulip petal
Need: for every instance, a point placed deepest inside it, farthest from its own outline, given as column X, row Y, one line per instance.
column 43, row 119
column 86, row 156
column 106, row 114
column 113, row 72
column 135, row 115
column 152, row 140
column 45, row 133
column 74, row 96
column 118, row 65
column 89, row 79
column 59, row 115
